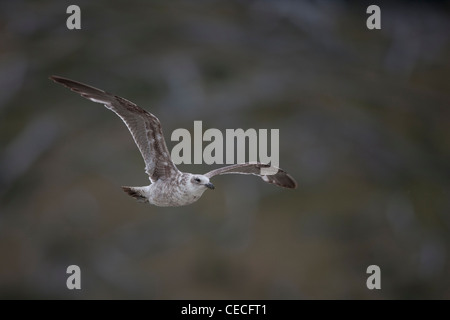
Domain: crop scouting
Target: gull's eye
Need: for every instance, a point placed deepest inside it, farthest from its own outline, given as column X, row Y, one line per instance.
column 197, row 180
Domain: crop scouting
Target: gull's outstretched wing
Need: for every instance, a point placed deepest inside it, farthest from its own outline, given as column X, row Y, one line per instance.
column 144, row 127
column 268, row 173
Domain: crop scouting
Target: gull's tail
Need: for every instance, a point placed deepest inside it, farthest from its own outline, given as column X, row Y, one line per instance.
column 137, row 192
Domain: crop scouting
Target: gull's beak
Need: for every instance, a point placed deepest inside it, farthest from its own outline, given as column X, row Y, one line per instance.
column 209, row 185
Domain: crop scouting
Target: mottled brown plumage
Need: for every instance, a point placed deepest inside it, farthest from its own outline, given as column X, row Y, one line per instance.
column 169, row 186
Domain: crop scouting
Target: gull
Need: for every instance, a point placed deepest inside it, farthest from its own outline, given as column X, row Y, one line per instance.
column 168, row 187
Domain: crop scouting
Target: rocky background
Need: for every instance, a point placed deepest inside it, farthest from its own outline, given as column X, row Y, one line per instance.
column 364, row 119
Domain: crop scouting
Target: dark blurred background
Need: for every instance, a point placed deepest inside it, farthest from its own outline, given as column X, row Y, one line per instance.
column 364, row 119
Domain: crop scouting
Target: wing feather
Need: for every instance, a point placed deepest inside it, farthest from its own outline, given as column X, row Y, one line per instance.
column 267, row 172
column 144, row 127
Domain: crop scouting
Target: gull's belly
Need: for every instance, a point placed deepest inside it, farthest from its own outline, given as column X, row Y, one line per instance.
column 168, row 195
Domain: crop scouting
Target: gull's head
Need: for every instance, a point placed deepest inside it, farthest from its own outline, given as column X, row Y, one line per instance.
column 201, row 181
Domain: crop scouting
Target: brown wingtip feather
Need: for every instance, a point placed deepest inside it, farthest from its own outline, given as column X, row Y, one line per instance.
column 71, row 84
column 283, row 179
column 287, row 182
column 59, row 79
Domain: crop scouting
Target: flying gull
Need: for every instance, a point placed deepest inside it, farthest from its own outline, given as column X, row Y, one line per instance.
column 168, row 187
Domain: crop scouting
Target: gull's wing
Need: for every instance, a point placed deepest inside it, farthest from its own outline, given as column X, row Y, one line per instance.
column 268, row 173
column 144, row 127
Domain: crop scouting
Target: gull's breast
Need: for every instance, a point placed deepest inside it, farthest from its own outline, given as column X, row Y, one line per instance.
column 170, row 193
